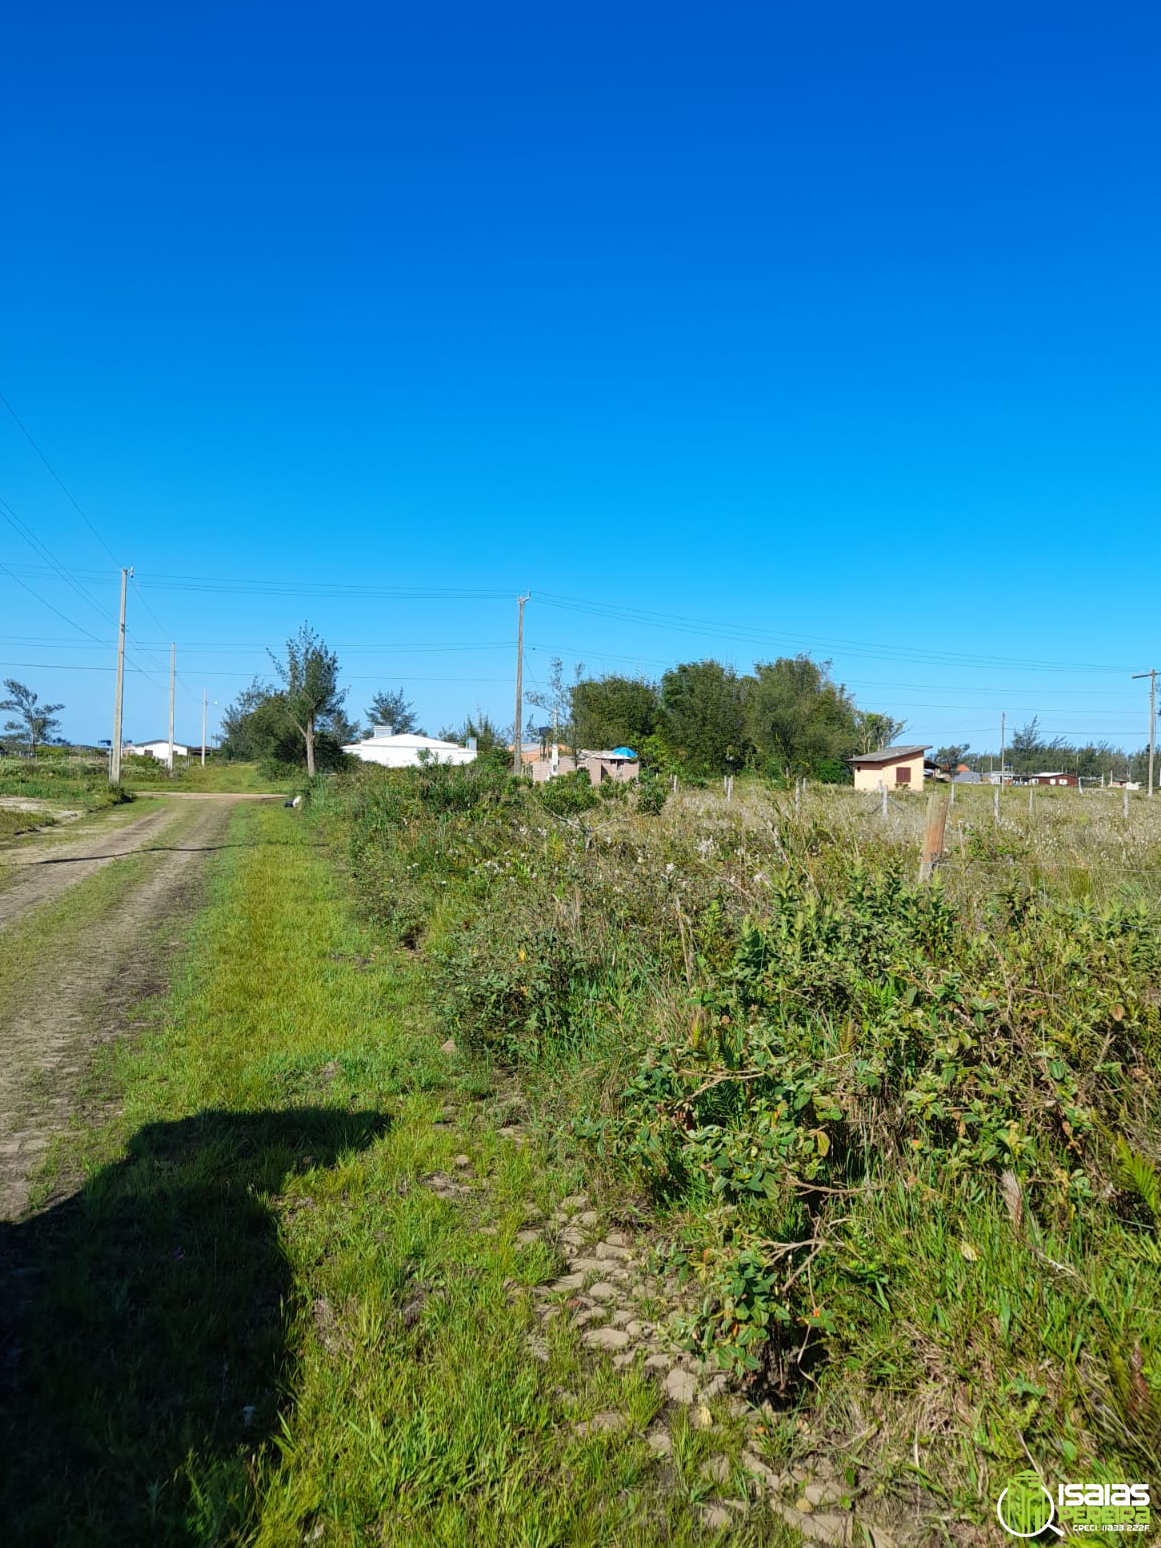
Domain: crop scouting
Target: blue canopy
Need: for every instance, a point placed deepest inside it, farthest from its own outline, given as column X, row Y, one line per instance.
column 623, row 752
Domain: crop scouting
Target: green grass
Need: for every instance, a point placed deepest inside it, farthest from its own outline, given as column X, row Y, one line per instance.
column 217, row 777
column 13, row 822
column 257, row 1323
column 878, row 1127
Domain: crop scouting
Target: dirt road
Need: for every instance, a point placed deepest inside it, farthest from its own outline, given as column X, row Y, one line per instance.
column 88, row 988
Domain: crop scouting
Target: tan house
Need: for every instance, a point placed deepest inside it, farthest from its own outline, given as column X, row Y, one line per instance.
column 618, row 764
column 897, row 768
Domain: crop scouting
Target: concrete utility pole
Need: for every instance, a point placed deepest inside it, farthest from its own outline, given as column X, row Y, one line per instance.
column 115, row 758
column 518, row 735
column 172, row 681
column 1003, row 737
column 205, row 702
column 1152, row 676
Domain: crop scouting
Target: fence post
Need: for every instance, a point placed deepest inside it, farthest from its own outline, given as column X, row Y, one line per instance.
column 883, row 807
column 996, row 804
column 1031, row 788
column 933, row 832
column 1125, row 803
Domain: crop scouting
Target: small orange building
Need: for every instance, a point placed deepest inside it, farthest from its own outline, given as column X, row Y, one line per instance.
column 898, row 768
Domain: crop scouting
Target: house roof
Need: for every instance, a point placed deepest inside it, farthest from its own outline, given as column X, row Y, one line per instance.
column 404, row 739
column 889, row 754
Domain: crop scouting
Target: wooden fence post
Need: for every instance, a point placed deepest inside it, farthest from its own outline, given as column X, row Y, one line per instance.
column 996, row 804
column 933, row 832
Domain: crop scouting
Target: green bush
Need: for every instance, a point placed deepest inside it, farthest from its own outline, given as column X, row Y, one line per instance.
column 567, row 794
column 652, row 795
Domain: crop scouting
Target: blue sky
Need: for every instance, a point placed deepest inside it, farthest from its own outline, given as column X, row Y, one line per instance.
column 748, row 328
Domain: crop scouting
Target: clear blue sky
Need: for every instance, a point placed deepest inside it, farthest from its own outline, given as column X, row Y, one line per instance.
column 804, row 325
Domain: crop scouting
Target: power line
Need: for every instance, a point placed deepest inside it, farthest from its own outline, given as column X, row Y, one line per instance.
column 60, row 481
column 72, row 623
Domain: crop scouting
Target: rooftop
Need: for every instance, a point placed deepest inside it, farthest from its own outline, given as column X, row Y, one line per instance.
column 888, row 754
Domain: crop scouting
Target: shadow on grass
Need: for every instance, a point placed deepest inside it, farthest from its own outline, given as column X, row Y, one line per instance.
column 142, row 1326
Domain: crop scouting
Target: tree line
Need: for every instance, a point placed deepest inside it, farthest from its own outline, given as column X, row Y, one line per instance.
column 786, row 718
column 1030, row 751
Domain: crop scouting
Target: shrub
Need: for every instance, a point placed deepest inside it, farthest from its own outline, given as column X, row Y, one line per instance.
column 568, row 794
column 652, row 795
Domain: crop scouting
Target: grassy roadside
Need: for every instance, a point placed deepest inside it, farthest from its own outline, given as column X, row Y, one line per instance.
column 289, row 1304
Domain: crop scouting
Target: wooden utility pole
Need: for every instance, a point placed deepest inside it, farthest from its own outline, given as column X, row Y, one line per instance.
column 1152, row 676
column 172, row 683
column 1003, row 730
column 115, row 760
column 205, row 703
column 518, row 733
column 933, row 832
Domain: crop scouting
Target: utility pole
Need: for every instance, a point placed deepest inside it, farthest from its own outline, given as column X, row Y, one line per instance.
column 1003, row 731
column 172, row 680
column 518, row 735
column 1152, row 676
column 205, row 702
column 115, row 759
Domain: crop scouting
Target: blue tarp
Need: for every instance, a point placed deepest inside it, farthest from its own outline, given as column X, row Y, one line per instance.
column 623, row 752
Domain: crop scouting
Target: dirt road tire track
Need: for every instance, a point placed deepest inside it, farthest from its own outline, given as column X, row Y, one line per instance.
column 46, row 1046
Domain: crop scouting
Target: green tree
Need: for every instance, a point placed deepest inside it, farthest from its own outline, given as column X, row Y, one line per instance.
column 614, row 711
column 952, row 756
column 702, row 715
column 488, row 735
column 876, row 731
column 310, row 691
column 798, row 719
column 32, row 721
column 393, row 709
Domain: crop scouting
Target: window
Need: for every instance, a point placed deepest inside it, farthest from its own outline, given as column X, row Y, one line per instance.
column 903, row 774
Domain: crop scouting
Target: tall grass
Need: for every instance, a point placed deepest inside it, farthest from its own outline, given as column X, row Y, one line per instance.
column 901, row 1139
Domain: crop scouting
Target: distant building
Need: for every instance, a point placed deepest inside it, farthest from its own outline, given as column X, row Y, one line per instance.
column 966, row 777
column 158, row 748
column 896, row 768
column 1070, row 781
column 620, row 764
column 406, row 751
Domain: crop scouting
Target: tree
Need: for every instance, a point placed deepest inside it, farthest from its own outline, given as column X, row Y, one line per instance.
column 557, row 698
column 951, row 757
column 876, row 731
column 798, row 719
column 311, row 692
column 614, row 711
column 32, row 721
column 488, row 735
column 702, row 716
column 393, row 709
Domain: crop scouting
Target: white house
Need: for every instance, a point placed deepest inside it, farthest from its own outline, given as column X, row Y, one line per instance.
column 403, row 751
column 159, row 749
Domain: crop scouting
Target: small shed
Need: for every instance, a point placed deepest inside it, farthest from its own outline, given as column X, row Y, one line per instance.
column 897, row 768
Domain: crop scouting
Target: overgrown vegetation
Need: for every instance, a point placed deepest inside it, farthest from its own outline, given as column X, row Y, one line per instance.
column 904, row 1141
column 290, row 1303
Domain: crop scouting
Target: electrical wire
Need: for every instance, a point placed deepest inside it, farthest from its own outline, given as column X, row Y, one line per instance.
column 60, row 481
